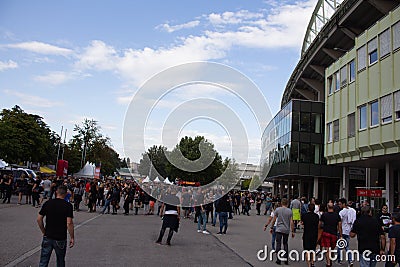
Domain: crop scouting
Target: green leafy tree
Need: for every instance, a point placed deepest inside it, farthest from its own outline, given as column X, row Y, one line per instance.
column 159, row 163
column 26, row 137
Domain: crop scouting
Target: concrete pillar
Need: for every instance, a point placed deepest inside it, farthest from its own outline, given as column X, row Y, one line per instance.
column 345, row 183
column 389, row 186
column 315, row 189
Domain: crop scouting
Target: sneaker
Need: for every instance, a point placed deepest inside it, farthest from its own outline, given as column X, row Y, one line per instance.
column 199, row 231
column 205, row 232
column 158, row 242
column 351, row 264
column 168, row 243
column 219, row 233
column 278, row 262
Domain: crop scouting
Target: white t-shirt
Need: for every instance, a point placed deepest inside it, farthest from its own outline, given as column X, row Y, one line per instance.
column 272, row 216
column 348, row 216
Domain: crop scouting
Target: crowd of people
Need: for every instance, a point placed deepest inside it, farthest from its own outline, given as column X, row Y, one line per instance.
column 331, row 225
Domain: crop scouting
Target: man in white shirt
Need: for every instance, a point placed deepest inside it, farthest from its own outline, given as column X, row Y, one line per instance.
column 348, row 216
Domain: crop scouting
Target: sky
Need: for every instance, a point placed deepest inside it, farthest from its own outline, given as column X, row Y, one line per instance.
column 71, row 60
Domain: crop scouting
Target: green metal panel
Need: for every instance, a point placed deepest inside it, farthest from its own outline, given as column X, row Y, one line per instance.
column 373, row 82
column 386, row 73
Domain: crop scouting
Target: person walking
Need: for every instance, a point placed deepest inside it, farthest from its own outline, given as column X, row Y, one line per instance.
column 331, row 223
column 272, row 230
column 348, row 216
column 284, row 217
column 170, row 212
column 223, row 208
column 59, row 219
column 201, row 211
column 310, row 222
column 8, row 188
column 370, row 236
column 394, row 239
column 295, row 205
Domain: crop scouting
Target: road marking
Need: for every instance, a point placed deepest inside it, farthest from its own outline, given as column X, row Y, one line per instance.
column 37, row 249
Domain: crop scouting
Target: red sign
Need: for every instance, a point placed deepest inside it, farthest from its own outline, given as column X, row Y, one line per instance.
column 362, row 192
column 369, row 192
column 188, row 183
column 97, row 173
column 62, row 168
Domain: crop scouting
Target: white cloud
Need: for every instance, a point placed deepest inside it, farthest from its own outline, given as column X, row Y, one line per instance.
column 59, row 77
column 8, row 65
column 41, row 48
column 33, row 100
column 172, row 28
column 282, row 27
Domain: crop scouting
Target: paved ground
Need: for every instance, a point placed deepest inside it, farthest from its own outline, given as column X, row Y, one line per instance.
column 118, row 240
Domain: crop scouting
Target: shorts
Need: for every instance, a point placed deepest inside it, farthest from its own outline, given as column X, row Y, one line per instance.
column 328, row 240
column 309, row 243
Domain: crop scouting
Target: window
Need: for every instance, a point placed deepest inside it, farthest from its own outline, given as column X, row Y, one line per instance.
column 336, row 130
column 343, row 76
column 316, row 156
column 351, row 125
column 396, row 35
column 362, row 119
column 315, row 123
column 330, row 85
column 352, row 71
column 337, row 81
column 384, row 43
column 374, row 112
column 305, row 119
column 372, row 51
column 305, row 153
column 294, row 152
column 296, row 119
column 361, row 58
column 329, row 130
column 397, row 104
column 386, row 108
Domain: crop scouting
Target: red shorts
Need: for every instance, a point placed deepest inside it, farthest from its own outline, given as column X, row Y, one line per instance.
column 328, row 240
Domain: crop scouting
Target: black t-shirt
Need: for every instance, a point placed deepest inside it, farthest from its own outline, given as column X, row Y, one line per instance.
column 56, row 212
column 310, row 221
column 368, row 232
column 394, row 232
column 330, row 220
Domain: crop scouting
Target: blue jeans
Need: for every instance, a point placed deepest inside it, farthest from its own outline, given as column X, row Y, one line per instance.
column 60, row 247
column 216, row 214
column 223, row 221
column 340, row 250
column 202, row 219
column 368, row 263
column 106, row 206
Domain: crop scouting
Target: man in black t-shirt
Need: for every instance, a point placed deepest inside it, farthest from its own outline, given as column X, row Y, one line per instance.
column 394, row 237
column 310, row 222
column 332, row 225
column 370, row 237
column 59, row 214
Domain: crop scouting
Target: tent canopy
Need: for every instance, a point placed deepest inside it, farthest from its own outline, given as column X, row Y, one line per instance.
column 146, row 180
column 3, row 163
column 157, row 180
column 47, row 170
column 87, row 171
column 167, row 181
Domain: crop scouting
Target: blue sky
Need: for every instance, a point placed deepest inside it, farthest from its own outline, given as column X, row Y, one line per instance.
column 70, row 60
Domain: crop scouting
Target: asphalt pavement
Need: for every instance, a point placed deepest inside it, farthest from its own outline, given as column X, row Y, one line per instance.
column 118, row 240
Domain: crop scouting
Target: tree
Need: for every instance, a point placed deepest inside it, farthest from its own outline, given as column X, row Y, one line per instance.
column 197, row 152
column 230, row 175
column 157, row 156
column 26, row 137
column 88, row 144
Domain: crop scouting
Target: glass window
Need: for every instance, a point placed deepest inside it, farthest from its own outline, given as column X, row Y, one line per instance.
column 296, row 119
column 316, row 153
column 294, row 152
column 361, row 58
column 305, row 119
column 374, row 112
column 337, row 81
column 305, row 153
column 351, row 125
column 336, row 130
column 396, row 35
column 329, row 130
column 315, row 123
column 397, row 104
column 330, row 85
column 384, row 43
column 372, row 51
column 343, row 76
column 352, row 71
column 362, row 111
column 386, row 108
